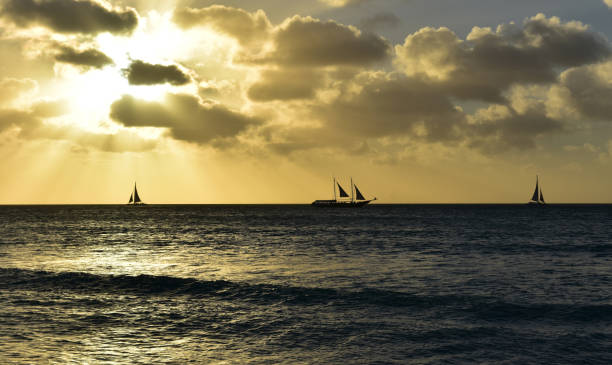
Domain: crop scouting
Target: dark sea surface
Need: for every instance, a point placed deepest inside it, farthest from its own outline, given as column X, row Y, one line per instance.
column 292, row 284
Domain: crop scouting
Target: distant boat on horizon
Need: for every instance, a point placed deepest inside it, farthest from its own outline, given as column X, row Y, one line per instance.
column 538, row 197
column 356, row 199
column 134, row 198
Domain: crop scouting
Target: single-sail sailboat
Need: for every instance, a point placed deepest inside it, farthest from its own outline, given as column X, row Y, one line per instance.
column 356, row 199
column 538, row 197
column 134, row 198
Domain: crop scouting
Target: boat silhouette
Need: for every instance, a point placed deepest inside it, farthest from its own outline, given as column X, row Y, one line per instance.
column 342, row 199
column 135, row 198
column 538, row 197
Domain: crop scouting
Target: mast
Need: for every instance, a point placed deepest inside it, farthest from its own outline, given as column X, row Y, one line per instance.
column 358, row 195
column 536, row 191
column 352, row 189
column 136, row 197
column 334, row 178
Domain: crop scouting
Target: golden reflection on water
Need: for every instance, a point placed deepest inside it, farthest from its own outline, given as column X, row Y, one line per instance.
column 202, row 263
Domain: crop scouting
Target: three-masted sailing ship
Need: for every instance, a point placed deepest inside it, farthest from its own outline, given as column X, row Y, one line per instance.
column 134, row 198
column 538, row 197
column 343, row 199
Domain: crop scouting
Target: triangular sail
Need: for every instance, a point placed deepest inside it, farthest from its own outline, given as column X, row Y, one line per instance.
column 136, row 197
column 541, row 197
column 358, row 194
column 343, row 193
column 535, row 193
column 131, row 198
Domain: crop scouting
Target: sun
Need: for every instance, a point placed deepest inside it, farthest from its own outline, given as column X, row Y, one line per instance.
column 157, row 40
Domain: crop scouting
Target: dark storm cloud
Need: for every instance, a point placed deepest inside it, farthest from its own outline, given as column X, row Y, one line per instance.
column 309, row 42
column 242, row 25
column 286, row 85
column 485, row 65
column 186, row 117
column 88, row 58
column 142, row 73
column 70, row 16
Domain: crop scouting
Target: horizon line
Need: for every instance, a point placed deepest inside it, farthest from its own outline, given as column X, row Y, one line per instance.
column 371, row 204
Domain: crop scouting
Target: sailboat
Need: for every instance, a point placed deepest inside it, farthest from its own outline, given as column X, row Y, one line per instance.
column 134, row 198
column 538, row 197
column 356, row 199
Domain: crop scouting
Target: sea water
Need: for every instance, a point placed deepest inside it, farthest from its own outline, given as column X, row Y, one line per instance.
column 295, row 284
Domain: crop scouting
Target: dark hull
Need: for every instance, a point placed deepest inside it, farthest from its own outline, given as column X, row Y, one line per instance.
column 339, row 204
column 536, row 204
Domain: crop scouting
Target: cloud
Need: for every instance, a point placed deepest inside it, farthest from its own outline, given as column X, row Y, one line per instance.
column 244, row 26
column 373, row 105
column 380, row 20
column 28, row 119
column 49, row 108
column 512, row 67
column 215, row 88
column 71, row 16
column 11, row 89
column 586, row 147
column 499, row 128
column 488, row 62
column 186, row 117
column 378, row 108
column 588, row 90
column 17, row 118
column 392, row 104
column 31, row 124
column 309, row 42
column 286, row 85
column 86, row 58
column 142, row 73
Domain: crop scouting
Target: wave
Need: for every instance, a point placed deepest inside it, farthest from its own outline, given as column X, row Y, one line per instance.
column 478, row 307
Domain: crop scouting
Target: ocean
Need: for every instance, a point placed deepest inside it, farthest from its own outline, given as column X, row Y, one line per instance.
column 294, row 284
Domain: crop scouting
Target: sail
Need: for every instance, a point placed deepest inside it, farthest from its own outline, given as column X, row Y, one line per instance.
column 343, row 193
column 535, row 193
column 358, row 194
column 136, row 197
column 541, row 197
column 131, row 198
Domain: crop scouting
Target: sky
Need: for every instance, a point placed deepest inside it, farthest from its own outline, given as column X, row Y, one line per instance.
column 263, row 101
